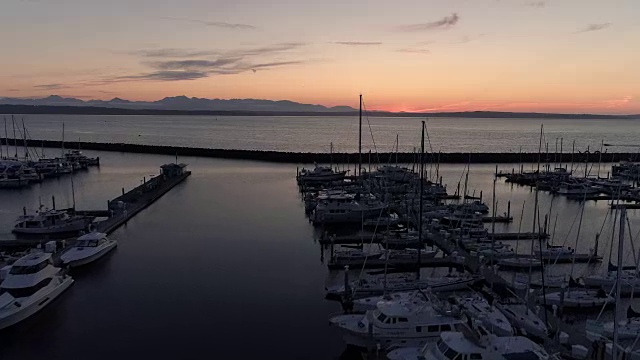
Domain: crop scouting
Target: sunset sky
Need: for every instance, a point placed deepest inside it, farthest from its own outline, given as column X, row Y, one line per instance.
column 576, row 56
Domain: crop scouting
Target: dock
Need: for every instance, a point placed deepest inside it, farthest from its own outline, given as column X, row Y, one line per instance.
column 404, row 264
column 120, row 210
column 126, row 206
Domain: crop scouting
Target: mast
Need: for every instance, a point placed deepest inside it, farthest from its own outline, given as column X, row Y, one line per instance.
column 623, row 217
column 15, row 143
column 360, row 138
column 5, row 132
column 330, row 156
column 24, row 140
column 540, row 152
column 63, row 139
column 600, row 157
column 561, row 152
column 421, row 201
column 573, row 149
column 397, row 146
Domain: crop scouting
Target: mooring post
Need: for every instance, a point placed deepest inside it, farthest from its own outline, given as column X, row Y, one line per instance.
column 53, row 202
column 144, row 179
column 24, row 210
column 508, row 209
column 122, row 191
column 480, row 195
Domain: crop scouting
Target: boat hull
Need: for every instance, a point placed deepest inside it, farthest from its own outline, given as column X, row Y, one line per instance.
column 25, row 312
column 91, row 258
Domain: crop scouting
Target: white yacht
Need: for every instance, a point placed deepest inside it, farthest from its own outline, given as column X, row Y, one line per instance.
column 32, row 283
column 577, row 298
column 457, row 346
column 51, row 222
column 524, row 320
column 320, row 174
column 477, row 308
column 630, row 281
column 347, row 209
column 394, row 323
column 88, row 248
column 370, row 303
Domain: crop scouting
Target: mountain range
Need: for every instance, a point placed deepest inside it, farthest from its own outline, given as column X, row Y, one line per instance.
column 181, row 103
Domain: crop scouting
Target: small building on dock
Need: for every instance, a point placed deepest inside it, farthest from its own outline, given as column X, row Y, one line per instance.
column 173, row 170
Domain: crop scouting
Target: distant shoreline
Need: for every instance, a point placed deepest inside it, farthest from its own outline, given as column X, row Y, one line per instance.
column 91, row 110
column 326, row 158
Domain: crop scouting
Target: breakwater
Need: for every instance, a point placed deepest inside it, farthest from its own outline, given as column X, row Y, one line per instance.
column 352, row 158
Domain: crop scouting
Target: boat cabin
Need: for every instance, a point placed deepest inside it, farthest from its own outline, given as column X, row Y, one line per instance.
column 43, row 219
column 30, row 264
column 396, row 315
column 173, row 170
column 91, row 240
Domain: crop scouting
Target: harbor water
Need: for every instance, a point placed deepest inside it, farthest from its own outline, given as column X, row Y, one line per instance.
column 225, row 265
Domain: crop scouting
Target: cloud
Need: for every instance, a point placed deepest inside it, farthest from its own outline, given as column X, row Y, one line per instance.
column 619, row 102
column 444, row 23
column 414, row 51
column 536, row 4
column 357, row 43
column 263, row 50
column 594, row 27
column 52, row 86
column 13, row 90
column 194, row 65
column 173, row 53
column 219, row 24
column 465, row 39
column 164, row 76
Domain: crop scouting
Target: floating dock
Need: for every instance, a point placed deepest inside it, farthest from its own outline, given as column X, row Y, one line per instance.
column 122, row 208
column 126, row 206
column 404, row 264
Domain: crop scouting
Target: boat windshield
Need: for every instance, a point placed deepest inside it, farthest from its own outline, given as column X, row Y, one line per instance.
column 29, row 269
column 25, row 291
column 448, row 352
column 87, row 243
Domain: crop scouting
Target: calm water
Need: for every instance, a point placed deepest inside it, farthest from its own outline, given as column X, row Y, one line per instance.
column 314, row 134
column 223, row 266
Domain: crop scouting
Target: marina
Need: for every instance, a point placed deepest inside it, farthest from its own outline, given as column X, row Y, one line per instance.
column 461, row 235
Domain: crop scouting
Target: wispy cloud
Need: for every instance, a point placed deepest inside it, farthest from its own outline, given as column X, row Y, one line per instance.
column 357, row 43
column 594, row 27
column 52, row 86
column 414, row 51
column 619, row 102
column 466, row 39
column 192, row 65
column 536, row 4
column 444, row 23
column 172, row 53
column 219, row 24
column 164, row 76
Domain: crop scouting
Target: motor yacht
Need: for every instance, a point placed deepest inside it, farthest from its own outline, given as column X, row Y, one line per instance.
column 32, row 283
column 88, row 248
